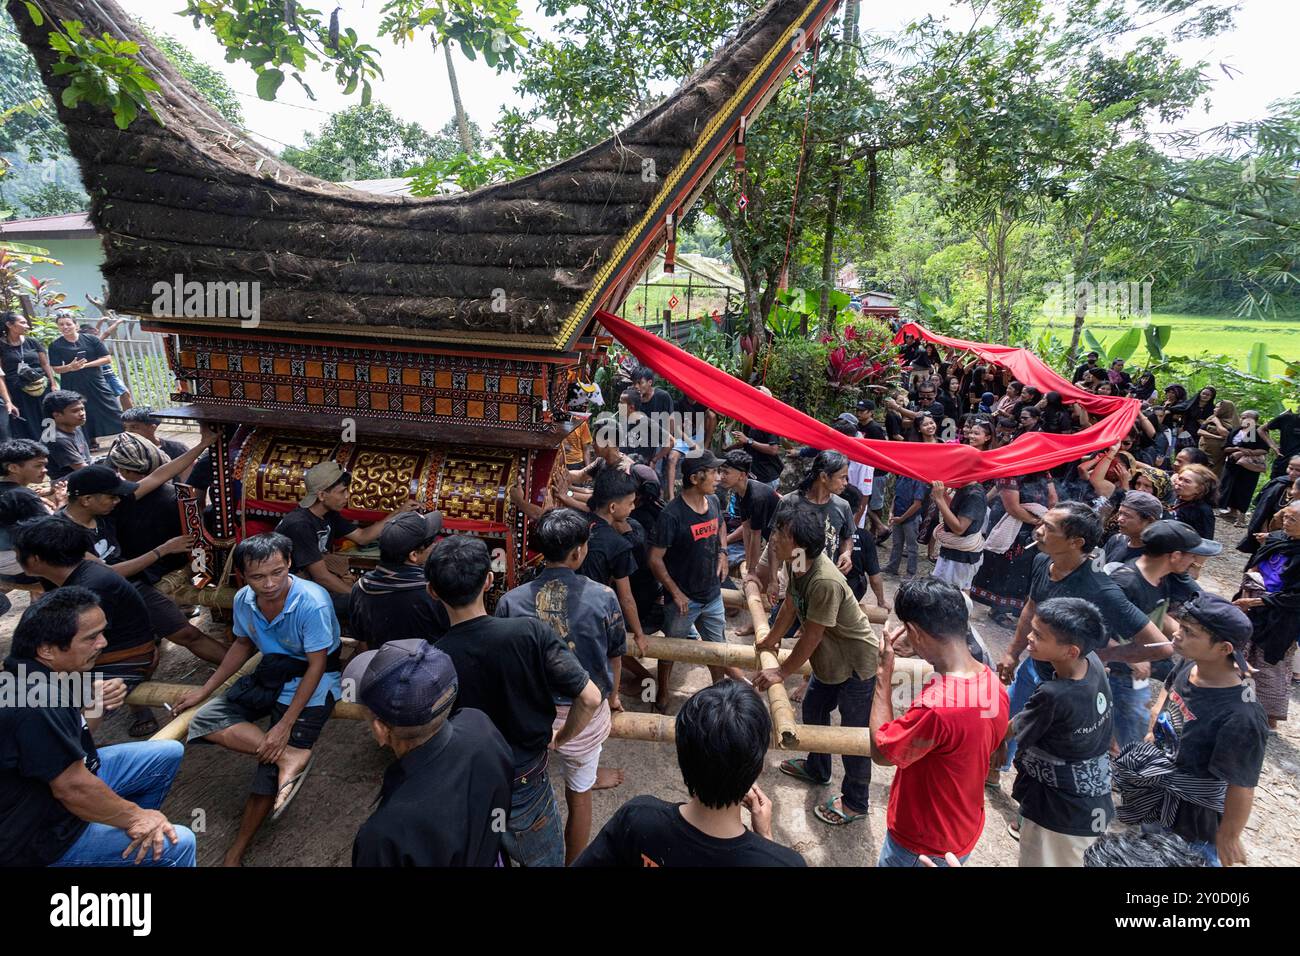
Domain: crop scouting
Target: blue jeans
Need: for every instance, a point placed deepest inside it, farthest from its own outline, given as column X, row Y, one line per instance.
column 892, row 854
column 533, row 836
column 1023, row 686
column 1132, row 709
column 142, row 773
column 853, row 699
column 707, row 621
column 905, row 536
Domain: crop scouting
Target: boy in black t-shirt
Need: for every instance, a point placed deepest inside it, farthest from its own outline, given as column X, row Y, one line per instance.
column 1063, row 736
column 866, row 557
column 755, row 502
column 722, row 737
column 1207, row 711
column 689, row 558
column 69, row 449
column 313, row 526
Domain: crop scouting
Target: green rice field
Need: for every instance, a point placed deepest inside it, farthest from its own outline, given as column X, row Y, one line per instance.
column 1196, row 334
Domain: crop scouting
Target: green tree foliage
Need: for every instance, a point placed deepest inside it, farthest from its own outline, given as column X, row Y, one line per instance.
column 362, row 142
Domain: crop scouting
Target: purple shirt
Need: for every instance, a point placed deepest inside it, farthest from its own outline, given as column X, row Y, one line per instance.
column 1271, row 571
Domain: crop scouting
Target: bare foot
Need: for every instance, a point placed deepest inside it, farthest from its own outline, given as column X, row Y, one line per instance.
column 607, row 779
column 796, row 695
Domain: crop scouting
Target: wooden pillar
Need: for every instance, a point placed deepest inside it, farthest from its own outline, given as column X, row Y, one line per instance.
column 223, row 488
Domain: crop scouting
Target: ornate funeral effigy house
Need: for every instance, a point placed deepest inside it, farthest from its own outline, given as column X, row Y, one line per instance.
column 438, row 336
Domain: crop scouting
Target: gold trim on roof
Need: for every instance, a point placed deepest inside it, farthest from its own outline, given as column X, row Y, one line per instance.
column 585, row 303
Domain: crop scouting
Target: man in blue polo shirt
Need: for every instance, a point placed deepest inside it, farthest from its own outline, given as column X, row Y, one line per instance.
column 291, row 622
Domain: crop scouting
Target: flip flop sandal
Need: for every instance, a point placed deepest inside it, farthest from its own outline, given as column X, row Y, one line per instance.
column 833, row 816
column 798, row 770
column 293, row 787
column 1014, row 830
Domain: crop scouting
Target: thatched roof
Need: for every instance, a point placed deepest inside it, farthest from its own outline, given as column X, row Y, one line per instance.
column 523, row 264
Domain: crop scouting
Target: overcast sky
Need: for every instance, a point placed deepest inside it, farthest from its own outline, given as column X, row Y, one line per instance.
column 1261, row 48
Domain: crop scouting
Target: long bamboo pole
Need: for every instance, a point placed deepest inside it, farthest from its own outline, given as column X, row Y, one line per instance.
column 703, row 652
column 778, row 701
column 179, row 726
column 855, row 741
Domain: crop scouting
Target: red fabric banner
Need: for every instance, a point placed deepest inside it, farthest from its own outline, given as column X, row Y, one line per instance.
column 952, row 464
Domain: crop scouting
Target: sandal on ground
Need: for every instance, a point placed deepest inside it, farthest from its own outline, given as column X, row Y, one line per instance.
column 835, row 816
column 282, row 799
column 146, row 725
column 1014, row 830
column 799, row 770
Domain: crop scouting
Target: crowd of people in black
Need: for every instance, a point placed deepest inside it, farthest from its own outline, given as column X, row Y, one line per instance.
column 1132, row 666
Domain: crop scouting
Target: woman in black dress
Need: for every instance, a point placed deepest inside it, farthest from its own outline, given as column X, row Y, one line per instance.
column 1195, row 490
column 1244, row 462
column 17, row 348
column 79, row 359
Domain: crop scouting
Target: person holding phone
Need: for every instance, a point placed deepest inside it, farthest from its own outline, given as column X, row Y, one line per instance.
column 79, row 360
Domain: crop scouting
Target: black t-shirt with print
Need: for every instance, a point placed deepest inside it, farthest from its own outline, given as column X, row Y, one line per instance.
column 758, row 506
column 1222, row 733
column 104, row 545
column 609, row 555
column 647, row 831
column 837, row 519
column 692, row 544
column 37, row 744
column 312, row 536
column 968, row 502
column 512, row 669
column 1071, row 721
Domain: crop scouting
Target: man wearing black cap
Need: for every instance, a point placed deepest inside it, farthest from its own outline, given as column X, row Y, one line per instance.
column 392, row 602
column 1153, row 582
column 688, row 555
column 446, row 798
column 1208, row 713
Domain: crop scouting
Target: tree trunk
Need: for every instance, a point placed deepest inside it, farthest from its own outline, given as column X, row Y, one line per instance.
column 1081, row 306
column 828, row 246
column 462, row 121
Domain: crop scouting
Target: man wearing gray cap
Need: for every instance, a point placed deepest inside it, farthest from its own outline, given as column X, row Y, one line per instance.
column 446, row 799
column 1136, row 512
column 393, row 600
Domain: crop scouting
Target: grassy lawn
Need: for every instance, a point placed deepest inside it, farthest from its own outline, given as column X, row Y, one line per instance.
column 1194, row 334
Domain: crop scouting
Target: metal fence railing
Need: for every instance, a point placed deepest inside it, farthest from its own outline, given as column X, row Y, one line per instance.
column 141, row 361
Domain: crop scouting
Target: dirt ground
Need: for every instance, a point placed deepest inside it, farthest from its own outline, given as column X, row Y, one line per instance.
column 337, row 797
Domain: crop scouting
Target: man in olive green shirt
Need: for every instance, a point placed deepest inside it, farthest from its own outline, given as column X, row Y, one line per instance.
column 838, row 640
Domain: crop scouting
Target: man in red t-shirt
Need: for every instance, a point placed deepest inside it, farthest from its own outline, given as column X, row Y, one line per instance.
column 943, row 745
